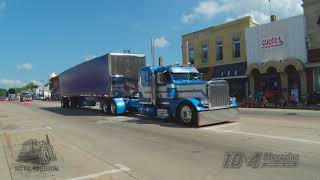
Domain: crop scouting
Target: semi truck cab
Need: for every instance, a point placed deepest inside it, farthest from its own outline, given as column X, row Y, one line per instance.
column 179, row 92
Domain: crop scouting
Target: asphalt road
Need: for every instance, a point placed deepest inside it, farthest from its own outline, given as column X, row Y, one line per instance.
column 90, row 145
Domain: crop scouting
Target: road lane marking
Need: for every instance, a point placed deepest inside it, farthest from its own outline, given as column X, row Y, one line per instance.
column 121, row 168
column 270, row 136
column 25, row 130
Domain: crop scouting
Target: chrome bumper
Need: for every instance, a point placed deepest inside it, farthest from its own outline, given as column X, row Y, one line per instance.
column 211, row 117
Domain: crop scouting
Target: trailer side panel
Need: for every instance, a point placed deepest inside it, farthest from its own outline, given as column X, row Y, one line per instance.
column 86, row 79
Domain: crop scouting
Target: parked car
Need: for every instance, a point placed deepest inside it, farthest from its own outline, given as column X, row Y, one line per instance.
column 25, row 97
column 12, row 97
column 39, row 98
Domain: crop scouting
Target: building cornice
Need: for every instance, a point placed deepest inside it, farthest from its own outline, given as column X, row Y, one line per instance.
column 224, row 25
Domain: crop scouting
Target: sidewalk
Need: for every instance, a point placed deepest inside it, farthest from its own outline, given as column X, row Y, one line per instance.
column 4, row 167
column 284, row 110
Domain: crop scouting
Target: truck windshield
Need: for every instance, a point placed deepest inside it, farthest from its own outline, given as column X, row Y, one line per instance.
column 186, row 76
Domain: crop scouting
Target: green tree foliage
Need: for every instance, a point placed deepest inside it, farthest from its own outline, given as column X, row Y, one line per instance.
column 12, row 90
column 30, row 86
column 27, row 87
column 3, row 92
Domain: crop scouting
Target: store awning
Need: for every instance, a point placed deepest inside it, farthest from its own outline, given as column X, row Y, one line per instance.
column 230, row 71
column 231, row 77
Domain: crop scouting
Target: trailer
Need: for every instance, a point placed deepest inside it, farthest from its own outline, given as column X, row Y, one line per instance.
column 122, row 83
column 102, row 79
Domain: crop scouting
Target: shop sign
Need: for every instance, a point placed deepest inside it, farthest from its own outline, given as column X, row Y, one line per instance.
column 273, row 42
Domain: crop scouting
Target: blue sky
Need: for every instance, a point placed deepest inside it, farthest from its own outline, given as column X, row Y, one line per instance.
column 39, row 37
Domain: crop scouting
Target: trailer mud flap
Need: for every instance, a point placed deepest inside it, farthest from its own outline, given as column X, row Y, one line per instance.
column 218, row 116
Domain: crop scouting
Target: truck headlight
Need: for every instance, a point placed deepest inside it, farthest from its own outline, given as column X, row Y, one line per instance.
column 232, row 99
column 204, row 102
column 233, row 102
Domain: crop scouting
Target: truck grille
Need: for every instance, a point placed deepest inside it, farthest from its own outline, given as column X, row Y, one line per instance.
column 218, row 93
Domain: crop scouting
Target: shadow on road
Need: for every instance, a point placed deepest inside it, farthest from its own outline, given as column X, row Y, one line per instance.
column 74, row 111
column 127, row 118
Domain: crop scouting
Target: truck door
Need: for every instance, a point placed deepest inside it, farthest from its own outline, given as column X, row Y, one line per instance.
column 144, row 85
column 165, row 88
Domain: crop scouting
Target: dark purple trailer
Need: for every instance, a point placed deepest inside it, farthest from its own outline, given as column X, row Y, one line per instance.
column 108, row 76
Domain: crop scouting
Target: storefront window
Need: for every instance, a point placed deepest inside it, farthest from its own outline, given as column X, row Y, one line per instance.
column 317, row 79
column 219, row 51
column 204, row 53
column 191, row 56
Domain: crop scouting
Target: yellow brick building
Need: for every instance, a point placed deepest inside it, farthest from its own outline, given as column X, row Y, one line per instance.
column 219, row 52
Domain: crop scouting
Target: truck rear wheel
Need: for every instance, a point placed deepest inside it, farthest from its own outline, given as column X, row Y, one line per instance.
column 187, row 114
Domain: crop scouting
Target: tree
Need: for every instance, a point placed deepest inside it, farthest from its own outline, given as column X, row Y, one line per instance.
column 30, row 86
column 3, row 92
column 12, row 90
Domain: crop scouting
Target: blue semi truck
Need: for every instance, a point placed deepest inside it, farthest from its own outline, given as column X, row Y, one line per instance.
column 122, row 83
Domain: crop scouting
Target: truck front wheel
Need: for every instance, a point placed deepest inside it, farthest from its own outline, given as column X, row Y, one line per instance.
column 187, row 114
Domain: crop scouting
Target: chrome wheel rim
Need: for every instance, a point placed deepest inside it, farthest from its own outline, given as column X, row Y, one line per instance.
column 186, row 114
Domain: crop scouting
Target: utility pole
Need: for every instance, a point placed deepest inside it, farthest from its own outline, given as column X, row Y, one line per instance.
column 187, row 52
column 153, row 79
column 270, row 8
column 42, row 83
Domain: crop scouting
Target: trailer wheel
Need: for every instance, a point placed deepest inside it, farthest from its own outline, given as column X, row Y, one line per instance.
column 113, row 108
column 187, row 114
column 104, row 107
column 72, row 103
column 64, row 103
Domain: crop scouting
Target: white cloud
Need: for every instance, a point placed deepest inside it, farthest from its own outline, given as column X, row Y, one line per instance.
column 260, row 9
column 234, row 9
column 206, row 9
column 229, row 19
column 210, row 8
column 189, row 18
column 89, row 57
column 160, row 42
column 3, row 5
column 25, row 66
column 8, row 83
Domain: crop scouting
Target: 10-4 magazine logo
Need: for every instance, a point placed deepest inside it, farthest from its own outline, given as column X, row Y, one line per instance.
column 36, row 156
column 260, row 159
